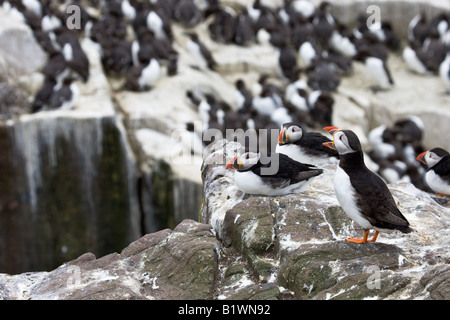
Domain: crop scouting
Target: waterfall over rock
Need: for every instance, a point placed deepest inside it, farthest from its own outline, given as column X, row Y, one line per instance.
column 74, row 189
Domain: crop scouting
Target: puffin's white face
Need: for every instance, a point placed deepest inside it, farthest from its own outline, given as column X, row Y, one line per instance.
column 431, row 158
column 290, row 134
column 341, row 143
column 244, row 161
column 294, row 133
column 247, row 160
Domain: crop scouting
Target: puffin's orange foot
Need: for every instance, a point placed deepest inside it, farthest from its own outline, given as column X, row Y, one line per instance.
column 364, row 239
column 355, row 240
column 374, row 238
column 443, row 195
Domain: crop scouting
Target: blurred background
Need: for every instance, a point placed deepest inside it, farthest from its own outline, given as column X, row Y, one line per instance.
column 105, row 106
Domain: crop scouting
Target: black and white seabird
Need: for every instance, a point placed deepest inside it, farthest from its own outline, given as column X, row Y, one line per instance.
column 438, row 173
column 302, row 31
column 290, row 176
column 287, row 61
column 74, row 55
column 302, row 146
column 117, row 57
column 187, row 13
column 362, row 194
column 378, row 69
column 323, row 76
column 444, row 72
column 415, row 58
column 221, row 28
column 200, row 52
column 243, row 96
column 244, row 33
column 128, row 11
column 321, row 107
column 159, row 25
column 307, row 53
column 296, row 95
column 418, row 28
column 64, row 95
column 42, row 98
column 143, row 77
column 384, row 144
column 324, row 24
column 33, row 6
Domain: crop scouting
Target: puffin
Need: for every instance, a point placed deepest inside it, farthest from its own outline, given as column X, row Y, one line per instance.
column 303, row 146
column 437, row 177
column 362, row 194
column 252, row 175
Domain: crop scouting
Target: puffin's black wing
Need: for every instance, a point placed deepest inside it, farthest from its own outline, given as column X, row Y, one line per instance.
column 289, row 171
column 376, row 202
column 313, row 143
column 443, row 168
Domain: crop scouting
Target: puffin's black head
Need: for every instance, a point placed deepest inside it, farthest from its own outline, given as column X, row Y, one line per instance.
column 344, row 141
column 432, row 157
column 290, row 133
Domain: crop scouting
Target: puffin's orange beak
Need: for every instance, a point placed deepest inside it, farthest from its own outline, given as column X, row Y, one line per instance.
column 331, row 130
column 329, row 145
column 230, row 165
column 421, row 157
column 282, row 137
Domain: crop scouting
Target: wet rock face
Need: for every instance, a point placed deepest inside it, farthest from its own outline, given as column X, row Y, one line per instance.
column 54, row 208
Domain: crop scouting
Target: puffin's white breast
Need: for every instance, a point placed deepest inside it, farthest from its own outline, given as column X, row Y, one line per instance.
column 436, row 183
column 250, row 183
column 296, row 153
column 345, row 193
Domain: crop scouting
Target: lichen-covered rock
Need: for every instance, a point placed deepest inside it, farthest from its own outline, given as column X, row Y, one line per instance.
column 168, row 264
column 313, row 268
column 437, row 282
column 249, row 225
column 300, row 246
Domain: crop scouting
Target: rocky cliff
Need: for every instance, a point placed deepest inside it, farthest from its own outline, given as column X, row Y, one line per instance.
column 100, row 176
column 254, row 247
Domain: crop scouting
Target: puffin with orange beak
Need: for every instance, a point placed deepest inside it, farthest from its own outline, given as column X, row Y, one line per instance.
column 278, row 176
column 437, row 177
column 362, row 194
column 303, row 146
